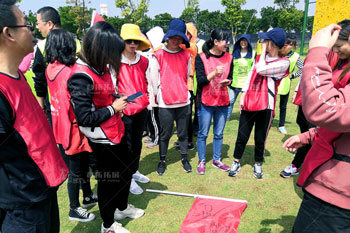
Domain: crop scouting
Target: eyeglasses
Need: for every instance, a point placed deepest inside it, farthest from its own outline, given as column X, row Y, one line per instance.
column 28, row 25
column 131, row 41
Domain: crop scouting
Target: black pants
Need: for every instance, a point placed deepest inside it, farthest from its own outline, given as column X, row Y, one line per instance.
column 190, row 123
column 153, row 124
column 113, row 177
column 134, row 126
column 304, row 126
column 262, row 121
column 316, row 216
column 283, row 109
column 78, row 174
column 39, row 217
column 167, row 116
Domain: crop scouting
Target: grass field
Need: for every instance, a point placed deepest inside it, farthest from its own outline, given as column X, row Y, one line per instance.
column 273, row 202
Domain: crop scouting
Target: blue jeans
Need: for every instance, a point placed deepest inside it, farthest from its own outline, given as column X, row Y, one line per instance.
column 205, row 114
column 233, row 94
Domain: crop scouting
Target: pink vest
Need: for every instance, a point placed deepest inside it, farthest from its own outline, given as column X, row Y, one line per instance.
column 112, row 130
column 64, row 123
column 173, row 76
column 132, row 79
column 30, row 122
column 322, row 147
column 214, row 94
column 256, row 97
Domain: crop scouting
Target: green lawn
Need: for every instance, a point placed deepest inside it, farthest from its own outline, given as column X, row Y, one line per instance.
column 273, row 202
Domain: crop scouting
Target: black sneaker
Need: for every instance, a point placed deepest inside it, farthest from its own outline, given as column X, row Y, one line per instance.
column 161, row 168
column 258, row 173
column 186, row 165
column 90, row 201
column 81, row 215
column 190, row 146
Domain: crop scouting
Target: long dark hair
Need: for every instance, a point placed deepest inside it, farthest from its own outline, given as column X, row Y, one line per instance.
column 218, row 34
column 343, row 35
column 102, row 46
column 60, row 46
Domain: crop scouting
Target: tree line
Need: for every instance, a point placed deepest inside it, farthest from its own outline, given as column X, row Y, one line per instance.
column 76, row 16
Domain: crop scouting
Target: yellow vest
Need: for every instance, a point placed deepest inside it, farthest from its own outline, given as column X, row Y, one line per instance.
column 284, row 87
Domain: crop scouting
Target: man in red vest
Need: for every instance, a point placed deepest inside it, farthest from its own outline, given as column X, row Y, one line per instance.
column 30, row 169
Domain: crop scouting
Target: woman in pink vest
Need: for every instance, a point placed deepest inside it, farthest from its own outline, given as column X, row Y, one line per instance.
column 132, row 79
column 214, row 67
column 98, row 110
column 172, row 92
column 60, row 54
column 258, row 100
column 326, row 170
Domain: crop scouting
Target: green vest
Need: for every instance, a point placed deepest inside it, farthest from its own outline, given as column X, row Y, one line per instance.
column 241, row 69
column 284, row 87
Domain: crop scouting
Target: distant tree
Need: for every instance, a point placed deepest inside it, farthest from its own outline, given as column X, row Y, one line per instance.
column 162, row 20
column 82, row 15
column 269, row 17
column 115, row 21
column 68, row 21
column 207, row 21
column 249, row 22
column 290, row 19
column 310, row 23
column 132, row 11
column 191, row 11
column 286, row 3
column 146, row 23
column 233, row 13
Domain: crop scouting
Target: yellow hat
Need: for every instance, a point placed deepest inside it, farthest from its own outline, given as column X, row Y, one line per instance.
column 132, row 32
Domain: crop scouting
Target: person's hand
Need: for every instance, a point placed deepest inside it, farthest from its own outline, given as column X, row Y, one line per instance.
column 219, row 70
column 225, row 82
column 264, row 45
column 294, row 96
column 241, row 102
column 292, row 143
column 119, row 104
column 326, row 37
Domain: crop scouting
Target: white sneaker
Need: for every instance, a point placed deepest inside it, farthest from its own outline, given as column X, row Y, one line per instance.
column 135, row 188
column 115, row 228
column 137, row 176
column 130, row 212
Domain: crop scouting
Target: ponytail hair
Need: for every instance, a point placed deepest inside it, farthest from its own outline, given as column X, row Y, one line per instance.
column 343, row 35
column 218, row 34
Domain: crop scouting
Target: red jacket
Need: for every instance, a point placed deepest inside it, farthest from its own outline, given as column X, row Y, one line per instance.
column 328, row 107
column 30, row 122
column 173, row 75
column 132, row 79
column 110, row 131
column 214, row 94
column 64, row 123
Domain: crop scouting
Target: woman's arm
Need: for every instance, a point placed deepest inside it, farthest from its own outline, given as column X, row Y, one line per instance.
column 324, row 105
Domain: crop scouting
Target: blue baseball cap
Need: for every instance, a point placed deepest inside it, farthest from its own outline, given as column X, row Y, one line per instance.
column 177, row 27
column 277, row 35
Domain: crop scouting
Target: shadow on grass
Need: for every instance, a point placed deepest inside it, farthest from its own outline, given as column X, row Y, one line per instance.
column 297, row 189
column 248, row 156
column 285, row 221
column 146, row 197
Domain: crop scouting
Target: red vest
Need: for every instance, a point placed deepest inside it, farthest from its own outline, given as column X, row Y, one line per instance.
column 214, row 94
column 173, row 76
column 132, row 79
column 256, row 98
column 110, row 131
column 297, row 100
column 322, row 147
column 64, row 123
column 30, row 122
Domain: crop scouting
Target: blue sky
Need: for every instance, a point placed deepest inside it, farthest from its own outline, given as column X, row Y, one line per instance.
column 174, row 7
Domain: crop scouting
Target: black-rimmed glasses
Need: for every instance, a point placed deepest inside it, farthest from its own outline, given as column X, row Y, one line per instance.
column 28, row 25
